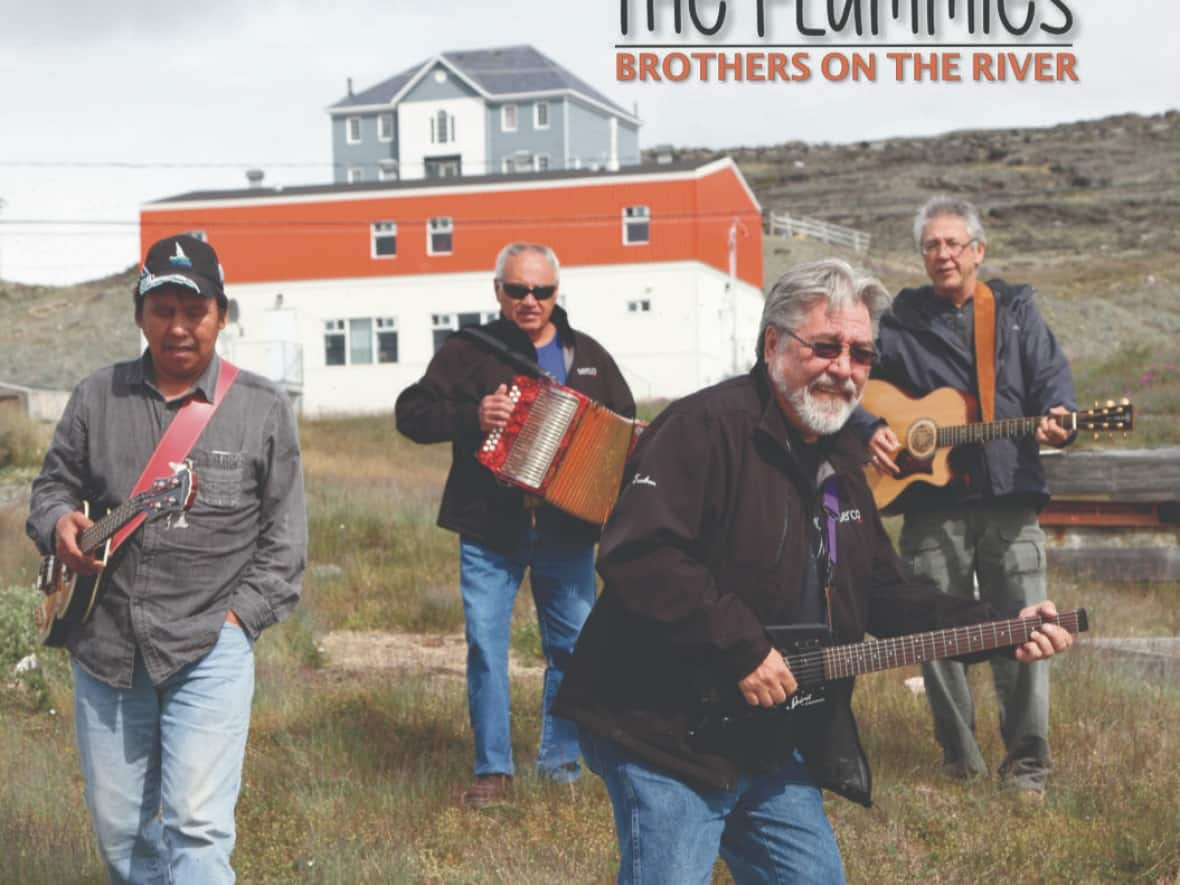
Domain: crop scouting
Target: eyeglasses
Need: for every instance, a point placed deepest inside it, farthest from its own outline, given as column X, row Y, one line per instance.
column 517, row 291
column 831, row 350
column 933, row 247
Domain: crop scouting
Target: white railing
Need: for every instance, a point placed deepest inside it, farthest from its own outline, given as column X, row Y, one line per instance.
column 780, row 224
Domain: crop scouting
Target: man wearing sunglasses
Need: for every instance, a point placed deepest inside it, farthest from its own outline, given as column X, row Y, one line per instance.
column 502, row 531
column 981, row 530
column 747, row 507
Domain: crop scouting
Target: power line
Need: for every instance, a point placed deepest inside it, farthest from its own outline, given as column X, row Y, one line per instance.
column 329, row 225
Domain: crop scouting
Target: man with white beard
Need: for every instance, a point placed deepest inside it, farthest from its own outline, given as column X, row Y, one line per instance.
column 747, row 507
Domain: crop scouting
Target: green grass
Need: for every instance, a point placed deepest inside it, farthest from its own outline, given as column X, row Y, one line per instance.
column 353, row 777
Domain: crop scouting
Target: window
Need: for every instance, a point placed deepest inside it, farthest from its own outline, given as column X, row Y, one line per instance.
column 355, row 174
column 643, row 305
column 443, row 324
column 508, row 118
column 442, row 128
column 540, row 162
column 352, row 130
column 334, row 343
column 636, row 225
column 386, row 339
column 385, row 127
column 440, row 236
column 387, row 169
column 384, row 239
column 541, row 115
column 360, row 341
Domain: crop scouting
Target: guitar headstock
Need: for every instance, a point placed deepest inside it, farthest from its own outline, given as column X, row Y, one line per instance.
column 1110, row 418
column 170, row 494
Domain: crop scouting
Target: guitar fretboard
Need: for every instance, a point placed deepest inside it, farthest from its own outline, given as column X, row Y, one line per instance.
column 99, row 533
column 843, row 661
column 1006, row 428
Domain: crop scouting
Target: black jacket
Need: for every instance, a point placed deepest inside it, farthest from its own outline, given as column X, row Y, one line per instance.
column 444, row 406
column 707, row 543
column 920, row 353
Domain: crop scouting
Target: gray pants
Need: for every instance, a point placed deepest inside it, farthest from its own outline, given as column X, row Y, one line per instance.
column 1000, row 546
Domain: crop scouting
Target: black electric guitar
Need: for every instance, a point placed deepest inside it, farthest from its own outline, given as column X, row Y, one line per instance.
column 69, row 598
column 814, row 664
column 930, row 426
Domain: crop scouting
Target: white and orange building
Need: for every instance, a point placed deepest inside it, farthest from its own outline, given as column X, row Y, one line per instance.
column 344, row 292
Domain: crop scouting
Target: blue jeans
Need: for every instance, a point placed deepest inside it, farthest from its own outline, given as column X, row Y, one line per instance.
column 562, row 580
column 771, row 828
column 163, row 765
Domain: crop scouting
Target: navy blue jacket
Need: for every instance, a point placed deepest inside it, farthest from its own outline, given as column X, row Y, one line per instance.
column 921, row 353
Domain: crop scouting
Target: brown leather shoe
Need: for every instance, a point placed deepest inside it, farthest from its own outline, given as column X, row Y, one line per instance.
column 488, row 789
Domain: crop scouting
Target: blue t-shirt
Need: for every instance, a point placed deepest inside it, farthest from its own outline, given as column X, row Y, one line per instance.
column 552, row 360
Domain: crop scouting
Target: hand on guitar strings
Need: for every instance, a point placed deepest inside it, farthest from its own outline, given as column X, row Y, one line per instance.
column 770, row 684
column 66, row 533
column 883, row 446
column 495, row 409
column 1048, row 639
column 1051, row 432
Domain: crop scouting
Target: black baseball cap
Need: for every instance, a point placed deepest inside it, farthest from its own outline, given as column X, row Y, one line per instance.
column 182, row 260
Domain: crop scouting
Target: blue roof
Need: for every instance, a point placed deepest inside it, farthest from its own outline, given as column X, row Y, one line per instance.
column 507, row 70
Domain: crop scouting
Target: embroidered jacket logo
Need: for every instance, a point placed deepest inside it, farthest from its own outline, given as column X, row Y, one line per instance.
column 851, row 516
column 587, row 370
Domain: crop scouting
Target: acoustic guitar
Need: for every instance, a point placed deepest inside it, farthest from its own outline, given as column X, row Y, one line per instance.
column 930, row 426
column 69, row 598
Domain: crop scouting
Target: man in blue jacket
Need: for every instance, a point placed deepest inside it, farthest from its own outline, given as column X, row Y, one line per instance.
column 981, row 529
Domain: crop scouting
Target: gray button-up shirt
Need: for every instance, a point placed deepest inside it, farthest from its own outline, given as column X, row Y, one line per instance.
column 242, row 546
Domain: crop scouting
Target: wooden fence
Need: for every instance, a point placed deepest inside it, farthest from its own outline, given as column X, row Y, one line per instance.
column 780, row 224
column 1115, row 513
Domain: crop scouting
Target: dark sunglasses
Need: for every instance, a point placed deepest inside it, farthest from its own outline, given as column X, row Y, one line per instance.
column 517, row 291
column 831, row 350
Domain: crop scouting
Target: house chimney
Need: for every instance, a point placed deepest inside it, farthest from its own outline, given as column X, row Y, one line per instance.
column 350, row 87
column 254, row 177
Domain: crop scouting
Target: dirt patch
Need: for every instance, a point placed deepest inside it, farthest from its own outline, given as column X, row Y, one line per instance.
column 443, row 655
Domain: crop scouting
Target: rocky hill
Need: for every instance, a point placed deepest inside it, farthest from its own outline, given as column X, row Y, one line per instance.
column 1088, row 212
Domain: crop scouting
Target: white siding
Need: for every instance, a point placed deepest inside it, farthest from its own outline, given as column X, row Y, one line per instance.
column 696, row 332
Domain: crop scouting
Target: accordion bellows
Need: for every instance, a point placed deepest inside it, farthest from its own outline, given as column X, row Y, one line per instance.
column 563, row 447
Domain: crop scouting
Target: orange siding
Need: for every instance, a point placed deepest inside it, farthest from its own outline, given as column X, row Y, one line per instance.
column 290, row 238
column 723, row 200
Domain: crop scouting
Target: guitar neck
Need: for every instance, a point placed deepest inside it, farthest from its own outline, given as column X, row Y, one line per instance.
column 102, row 531
column 1006, row 428
column 844, row 661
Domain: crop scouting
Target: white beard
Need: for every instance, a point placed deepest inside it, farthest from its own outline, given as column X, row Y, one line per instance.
column 822, row 415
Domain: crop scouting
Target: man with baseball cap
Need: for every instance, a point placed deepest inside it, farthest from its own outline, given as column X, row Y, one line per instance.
column 163, row 666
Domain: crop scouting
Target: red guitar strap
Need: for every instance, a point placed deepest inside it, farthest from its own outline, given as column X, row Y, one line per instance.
column 177, row 441
column 985, row 350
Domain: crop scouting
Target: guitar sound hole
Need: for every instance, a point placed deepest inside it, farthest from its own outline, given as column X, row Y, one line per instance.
column 922, row 438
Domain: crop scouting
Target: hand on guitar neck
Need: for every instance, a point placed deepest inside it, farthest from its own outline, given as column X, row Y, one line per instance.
column 884, row 445
column 66, row 533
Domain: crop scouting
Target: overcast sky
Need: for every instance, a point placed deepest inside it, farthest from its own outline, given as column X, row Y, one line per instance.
column 109, row 104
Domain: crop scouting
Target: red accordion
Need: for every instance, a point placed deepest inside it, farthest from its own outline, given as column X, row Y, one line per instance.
column 563, row 447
